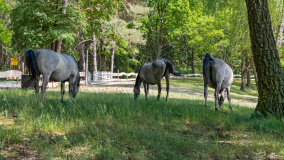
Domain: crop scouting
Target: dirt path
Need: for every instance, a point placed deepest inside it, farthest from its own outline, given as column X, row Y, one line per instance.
column 127, row 87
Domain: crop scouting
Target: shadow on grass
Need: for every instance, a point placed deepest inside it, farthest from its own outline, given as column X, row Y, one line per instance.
column 114, row 126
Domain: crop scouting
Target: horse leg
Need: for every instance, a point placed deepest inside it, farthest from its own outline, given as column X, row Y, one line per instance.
column 159, row 90
column 221, row 98
column 229, row 98
column 168, row 86
column 36, row 86
column 43, row 87
column 206, row 93
column 62, row 90
column 217, row 91
column 71, row 87
column 145, row 89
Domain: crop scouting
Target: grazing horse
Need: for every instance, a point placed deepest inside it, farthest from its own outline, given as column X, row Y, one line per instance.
column 152, row 73
column 53, row 66
column 218, row 75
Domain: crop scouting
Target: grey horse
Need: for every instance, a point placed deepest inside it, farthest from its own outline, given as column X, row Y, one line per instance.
column 152, row 73
column 218, row 75
column 53, row 66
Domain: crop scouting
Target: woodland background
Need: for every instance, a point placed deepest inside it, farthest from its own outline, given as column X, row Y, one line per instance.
column 120, row 35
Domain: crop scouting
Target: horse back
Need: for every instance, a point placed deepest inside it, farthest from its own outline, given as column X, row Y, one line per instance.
column 221, row 73
column 152, row 72
column 59, row 67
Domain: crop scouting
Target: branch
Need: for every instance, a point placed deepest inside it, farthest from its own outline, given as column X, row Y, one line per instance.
column 85, row 9
column 82, row 42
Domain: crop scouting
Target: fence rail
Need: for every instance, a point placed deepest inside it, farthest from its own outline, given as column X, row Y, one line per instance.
column 11, row 74
column 102, row 76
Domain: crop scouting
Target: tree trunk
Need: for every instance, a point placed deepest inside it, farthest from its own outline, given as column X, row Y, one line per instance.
column 185, row 54
column 243, row 71
column 95, row 63
column 266, row 58
column 58, row 43
column 103, row 61
column 114, row 41
column 52, row 46
column 255, row 74
column 81, row 50
column 149, row 49
column 279, row 39
column 247, row 72
column 112, row 61
column 192, row 61
column 160, row 41
column 224, row 53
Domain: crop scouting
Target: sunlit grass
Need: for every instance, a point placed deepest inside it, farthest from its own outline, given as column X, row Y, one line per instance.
column 114, row 126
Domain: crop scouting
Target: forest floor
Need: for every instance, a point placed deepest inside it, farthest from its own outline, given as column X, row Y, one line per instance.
column 104, row 122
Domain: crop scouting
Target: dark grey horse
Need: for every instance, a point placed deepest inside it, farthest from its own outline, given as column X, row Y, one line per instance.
column 152, row 73
column 218, row 75
column 53, row 66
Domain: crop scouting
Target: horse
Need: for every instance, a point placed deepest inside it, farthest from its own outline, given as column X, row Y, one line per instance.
column 152, row 73
column 53, row 66
column 218, row 75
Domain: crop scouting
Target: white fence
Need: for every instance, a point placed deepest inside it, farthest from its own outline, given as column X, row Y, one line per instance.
column 11, row 74
column 98, row 77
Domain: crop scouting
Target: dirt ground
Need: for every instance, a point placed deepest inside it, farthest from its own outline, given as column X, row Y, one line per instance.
column 127, row 87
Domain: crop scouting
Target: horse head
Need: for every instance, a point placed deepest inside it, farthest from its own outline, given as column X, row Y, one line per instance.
column 74, row 88
column 221, row 98
column 136, row 89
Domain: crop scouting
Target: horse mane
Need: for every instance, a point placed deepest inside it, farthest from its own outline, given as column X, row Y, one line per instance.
column 207, row 60
column 137, row 79
column 31, row 63
column 78, row 79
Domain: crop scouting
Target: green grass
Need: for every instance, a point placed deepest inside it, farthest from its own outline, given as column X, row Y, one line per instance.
column 196, row 86
column 114, row 126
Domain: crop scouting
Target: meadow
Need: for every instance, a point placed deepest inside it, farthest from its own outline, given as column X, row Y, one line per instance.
column 111, row 125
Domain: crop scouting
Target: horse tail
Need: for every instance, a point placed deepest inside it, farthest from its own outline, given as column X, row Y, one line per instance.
column 208, row 60
column 170, row 67
column 31, row 63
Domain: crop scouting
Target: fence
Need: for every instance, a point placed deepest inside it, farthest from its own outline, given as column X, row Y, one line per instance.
column 104, row 76
column 98, row 77
column 11, row 74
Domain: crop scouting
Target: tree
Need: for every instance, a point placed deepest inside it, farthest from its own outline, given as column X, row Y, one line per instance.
column 39, row 23
column 5, row 33
column 269, row 71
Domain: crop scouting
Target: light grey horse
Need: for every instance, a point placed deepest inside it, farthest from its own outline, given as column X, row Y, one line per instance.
column 218, row 75
column 152, row 73
column 53, row 66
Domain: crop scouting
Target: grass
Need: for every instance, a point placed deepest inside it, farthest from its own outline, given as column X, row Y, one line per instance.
column 196, row 86
column 114, row 126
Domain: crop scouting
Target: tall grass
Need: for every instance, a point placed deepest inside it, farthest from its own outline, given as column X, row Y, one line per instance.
column 114, row 126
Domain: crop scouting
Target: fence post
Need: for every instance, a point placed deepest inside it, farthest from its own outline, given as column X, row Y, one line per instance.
column 118, row 74
column 86, row 70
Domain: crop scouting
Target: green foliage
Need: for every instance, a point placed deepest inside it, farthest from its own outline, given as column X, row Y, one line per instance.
column 37, row 24
column 5, row 33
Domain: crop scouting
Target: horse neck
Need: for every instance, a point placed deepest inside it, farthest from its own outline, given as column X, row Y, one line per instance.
column 138, row 82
